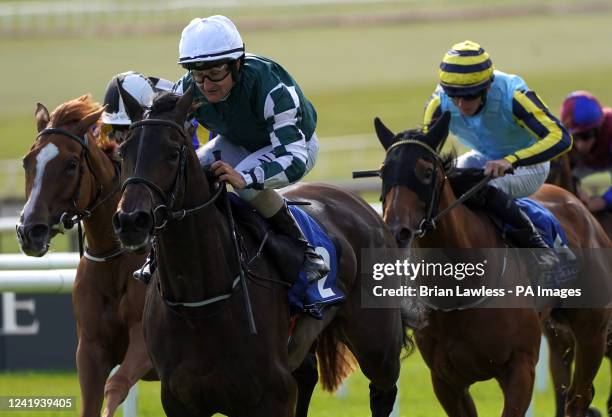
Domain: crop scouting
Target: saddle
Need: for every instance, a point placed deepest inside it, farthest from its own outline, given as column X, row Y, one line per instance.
column 285, row 252
column 543, row 219
column 287, row 255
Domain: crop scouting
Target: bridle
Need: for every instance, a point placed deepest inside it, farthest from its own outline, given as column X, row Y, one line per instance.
column 432, row 215
column 168, row 199
column 167, row 205
column 428, row 222
column 69, row 218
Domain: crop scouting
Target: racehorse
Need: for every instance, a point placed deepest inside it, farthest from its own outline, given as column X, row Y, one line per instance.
column 72, row 173
column 464, row 346
column 194, row 318
column 561, row 342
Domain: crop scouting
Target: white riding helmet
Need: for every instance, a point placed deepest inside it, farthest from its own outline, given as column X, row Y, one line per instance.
column 135, row 84
column 210, row 39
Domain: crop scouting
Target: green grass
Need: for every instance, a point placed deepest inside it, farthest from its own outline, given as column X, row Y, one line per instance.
column 416, row 394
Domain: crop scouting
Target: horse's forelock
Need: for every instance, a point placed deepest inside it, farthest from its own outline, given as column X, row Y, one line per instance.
column 448, row 159
column 74, row 110
column 163, row 103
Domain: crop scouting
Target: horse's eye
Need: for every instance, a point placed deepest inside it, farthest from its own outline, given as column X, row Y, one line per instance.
column 71, row 165
column 172, row 156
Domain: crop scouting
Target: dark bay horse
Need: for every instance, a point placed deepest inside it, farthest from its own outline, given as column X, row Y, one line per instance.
column 69, row 170
column 464, row 346
column 195, row 316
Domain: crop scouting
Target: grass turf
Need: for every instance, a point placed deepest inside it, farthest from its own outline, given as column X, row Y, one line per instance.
column 416, row 394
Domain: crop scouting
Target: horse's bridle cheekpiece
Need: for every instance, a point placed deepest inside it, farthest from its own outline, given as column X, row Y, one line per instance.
column 168, row 199
column 67, row 219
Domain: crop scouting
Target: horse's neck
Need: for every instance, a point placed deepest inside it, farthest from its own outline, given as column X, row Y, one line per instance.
column 98, row 227
column 459, row 227
column 195, row 255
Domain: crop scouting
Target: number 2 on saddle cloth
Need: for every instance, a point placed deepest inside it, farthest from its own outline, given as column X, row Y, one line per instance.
column 312, row 298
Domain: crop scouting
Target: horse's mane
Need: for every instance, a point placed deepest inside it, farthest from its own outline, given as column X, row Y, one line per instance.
column 75, row 110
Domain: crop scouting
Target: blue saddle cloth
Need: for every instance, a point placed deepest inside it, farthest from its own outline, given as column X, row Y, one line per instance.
column 546, row 223
column 551, row 231
column 315, row 297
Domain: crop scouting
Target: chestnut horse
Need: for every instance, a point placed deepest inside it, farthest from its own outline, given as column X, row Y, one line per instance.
column 69, row 171
column 561, row 342
column 194, row 317
column 464, row 346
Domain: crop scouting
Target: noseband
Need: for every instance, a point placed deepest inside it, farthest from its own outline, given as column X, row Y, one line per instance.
column 168, row 200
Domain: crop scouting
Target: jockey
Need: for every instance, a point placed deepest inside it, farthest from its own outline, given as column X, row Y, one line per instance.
column 265, row 126
column 591, row 126
column 115, row 121
column 506, row 126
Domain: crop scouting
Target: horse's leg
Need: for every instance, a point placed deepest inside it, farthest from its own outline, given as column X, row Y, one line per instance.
column 306, row 377
column 456, row 401
column 135, row 364
column 377, row 349
column 590, row 334
column 517, row 384
column 610, row 393
column 93, row 366
column 173, row 407
column 561, row 348
column 272, row 405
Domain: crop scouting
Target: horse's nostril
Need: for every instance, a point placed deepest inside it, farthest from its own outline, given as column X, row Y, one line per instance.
column 116, row 222
column 143, row 221
column 403, row 236
column 38, row 232
column 20, row 232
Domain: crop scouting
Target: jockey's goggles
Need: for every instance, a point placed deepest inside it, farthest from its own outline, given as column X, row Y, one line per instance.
column 214, row 74
column 466, row 98
column 586, row 135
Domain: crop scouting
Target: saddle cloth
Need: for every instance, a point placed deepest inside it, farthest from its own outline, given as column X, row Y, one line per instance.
column 546, row 223
column 311, row 298
column 315, row 297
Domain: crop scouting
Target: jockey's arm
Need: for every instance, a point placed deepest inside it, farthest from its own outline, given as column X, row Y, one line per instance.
column 281, row 114
column 553, row 139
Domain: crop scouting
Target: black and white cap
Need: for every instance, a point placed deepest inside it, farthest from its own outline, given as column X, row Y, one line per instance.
column 138, row 86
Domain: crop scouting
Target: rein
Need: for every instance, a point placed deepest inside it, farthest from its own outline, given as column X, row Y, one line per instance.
column 67, row 222
column 169, row 200
column 178, row 215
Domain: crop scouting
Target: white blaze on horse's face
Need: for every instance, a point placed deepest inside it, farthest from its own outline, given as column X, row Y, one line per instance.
column 46, row 154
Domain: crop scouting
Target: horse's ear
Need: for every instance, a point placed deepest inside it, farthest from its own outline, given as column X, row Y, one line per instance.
column 385, row 135
column 89, row 120
column 132, row 107
column 183, row 106
column 438, row 132
column 42, row 117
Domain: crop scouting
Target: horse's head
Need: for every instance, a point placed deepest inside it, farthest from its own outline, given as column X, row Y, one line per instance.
column 57, row 181
column 156, row 155
column 413, row 176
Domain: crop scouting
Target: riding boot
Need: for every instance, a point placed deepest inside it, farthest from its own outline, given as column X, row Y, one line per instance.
column 313, row 265
column 525, row 234
column 145, row 272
